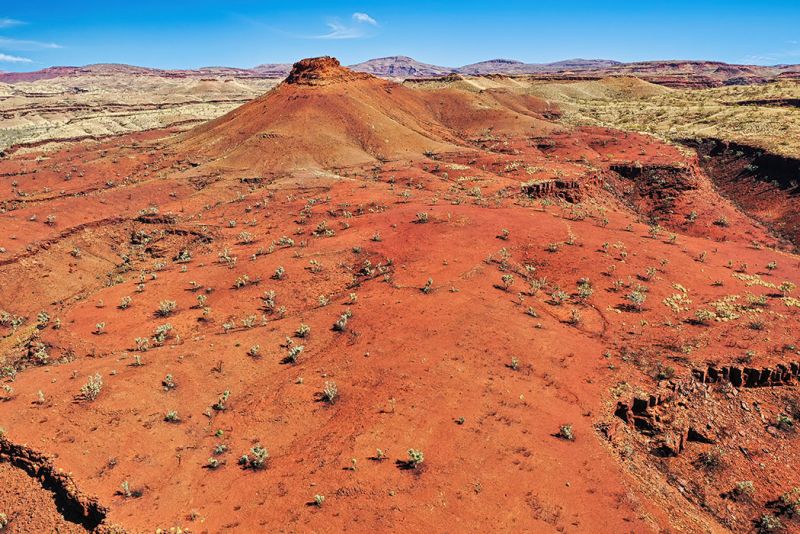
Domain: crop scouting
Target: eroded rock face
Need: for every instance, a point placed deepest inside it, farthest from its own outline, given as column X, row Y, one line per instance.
column 655, row 415
column 656, row 418
column 569, row 190
column 322, row 71
column 655, row 187
column 750, row 377
column 79, row 510
column 764, row 184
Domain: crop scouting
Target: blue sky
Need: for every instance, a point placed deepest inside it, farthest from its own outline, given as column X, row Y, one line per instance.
column 244, row 33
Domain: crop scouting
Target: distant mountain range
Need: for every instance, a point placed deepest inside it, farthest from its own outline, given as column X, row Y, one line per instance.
column 401, row 67
column 670, row 73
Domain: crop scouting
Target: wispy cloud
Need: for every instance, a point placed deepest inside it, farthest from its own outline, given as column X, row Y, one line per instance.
column 6, row 22
column 356, row 30
column 5, row 58
column 363, row 17
column 788, row 54
column 7, row 43
column 340, row 31
column 774, row 57
column 359, row 25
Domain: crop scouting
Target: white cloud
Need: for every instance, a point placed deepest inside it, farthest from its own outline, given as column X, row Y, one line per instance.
column 340, row 31
column 6, row 22
column 364, row 18
column 7, row 43
column 5, row 58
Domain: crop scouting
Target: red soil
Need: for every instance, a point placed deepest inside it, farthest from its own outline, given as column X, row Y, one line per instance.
column 345, row 166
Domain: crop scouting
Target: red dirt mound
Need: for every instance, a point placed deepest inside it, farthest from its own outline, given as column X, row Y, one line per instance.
column 325, row 116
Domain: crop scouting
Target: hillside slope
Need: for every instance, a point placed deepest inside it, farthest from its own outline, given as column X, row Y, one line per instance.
column 335, row 117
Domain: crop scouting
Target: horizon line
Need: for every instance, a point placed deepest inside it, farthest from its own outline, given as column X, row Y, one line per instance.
column 454, row 68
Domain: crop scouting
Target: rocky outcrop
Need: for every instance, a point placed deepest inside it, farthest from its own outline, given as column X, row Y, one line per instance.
column 750, row 377
column 651, row 416
column 322, row 71
column 652, row 189
column 667, row 420
column 764, row 185
column 72, row 504
column 569, row 190
column 660, row 183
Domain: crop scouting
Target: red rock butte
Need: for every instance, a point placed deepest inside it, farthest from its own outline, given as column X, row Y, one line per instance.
column 322, row 71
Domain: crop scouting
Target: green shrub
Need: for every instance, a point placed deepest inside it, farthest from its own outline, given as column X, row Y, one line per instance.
column 257, row 459
column 415, row 458
column 566, row 432
column 92, row 388
column 330, row 392
column 166, row 308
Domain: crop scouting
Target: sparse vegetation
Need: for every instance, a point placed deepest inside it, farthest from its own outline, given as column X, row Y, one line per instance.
column 637, row 299
column 770, row 523
column 166, row 308
column 303, row 330
column 710, row 460
column 743, row 490
column 168, row 383
column 93, row 387
column 330, row 392
column 566, row 432
column 256, row 459
column 221, row 404
column 341, row 323
column 415, row 458
column 790, row 502
column 428, row 287
column 294, row 353
column 508, row 281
